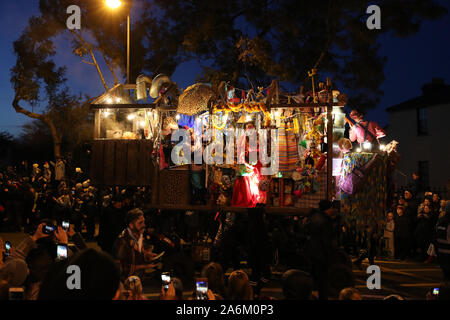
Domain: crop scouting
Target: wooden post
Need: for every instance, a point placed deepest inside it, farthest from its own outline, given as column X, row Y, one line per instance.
column 97, row 124
column 330, row 189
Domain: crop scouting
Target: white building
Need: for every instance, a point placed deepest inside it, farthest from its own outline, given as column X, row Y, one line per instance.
column 422, row 127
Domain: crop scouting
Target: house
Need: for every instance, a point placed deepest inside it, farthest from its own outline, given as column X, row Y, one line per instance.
column 421, row 126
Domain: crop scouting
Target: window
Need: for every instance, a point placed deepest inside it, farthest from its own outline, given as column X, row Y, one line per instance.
column 424, row 173
column 422, row 121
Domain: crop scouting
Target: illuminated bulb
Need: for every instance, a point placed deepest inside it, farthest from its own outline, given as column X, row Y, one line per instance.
column 106, row 114
column 113, row 4
column 177, row 117
column 109, row 101
column 131, row 117
column 277, row 113
column 118, row 100
column 367, row 145
column 358, row 150
column 382, row 147
column 142, row 123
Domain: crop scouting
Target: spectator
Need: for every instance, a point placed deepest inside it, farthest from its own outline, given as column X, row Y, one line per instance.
column 134, row 286
column 319, row 247
column 341, row 277
column 239, row 286
column 216, row 282
column 100, row 279
column 15, row 271
column 129, row 248
column 389, row 235
column 60, row 170
column 416, row 186
column 424, row 231
column 402, row 234
column 443, row 242
column 297, row 285
column 350, row 294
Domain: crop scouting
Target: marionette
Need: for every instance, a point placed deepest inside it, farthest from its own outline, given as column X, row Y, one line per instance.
column 363, row 130
column 246, row 186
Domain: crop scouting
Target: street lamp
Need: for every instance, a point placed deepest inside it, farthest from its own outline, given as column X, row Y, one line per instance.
column 114, row 4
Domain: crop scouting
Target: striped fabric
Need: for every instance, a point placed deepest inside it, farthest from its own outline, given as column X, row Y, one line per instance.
column 287, row 148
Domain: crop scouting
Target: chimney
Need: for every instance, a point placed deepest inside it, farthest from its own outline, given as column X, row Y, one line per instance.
column 436, row 88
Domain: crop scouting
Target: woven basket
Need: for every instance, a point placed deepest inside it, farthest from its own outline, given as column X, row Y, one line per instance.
column 195, row 99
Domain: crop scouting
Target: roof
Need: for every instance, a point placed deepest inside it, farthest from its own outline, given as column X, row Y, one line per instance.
column 118, row 91
column 434, row 93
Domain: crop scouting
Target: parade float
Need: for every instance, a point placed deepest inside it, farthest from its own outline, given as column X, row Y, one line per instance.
column 135, row 143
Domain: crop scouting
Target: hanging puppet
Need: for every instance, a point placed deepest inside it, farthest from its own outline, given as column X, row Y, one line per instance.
column 363, row 130
column 246, row 191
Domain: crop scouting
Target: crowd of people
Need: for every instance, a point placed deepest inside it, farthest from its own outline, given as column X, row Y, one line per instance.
column 315, row 248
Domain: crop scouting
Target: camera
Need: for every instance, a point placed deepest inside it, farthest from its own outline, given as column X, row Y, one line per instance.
column 61, row 252
column 65, row 225
column 48, row 229
column 165, row 278
column 202, row 288
column 7, row 250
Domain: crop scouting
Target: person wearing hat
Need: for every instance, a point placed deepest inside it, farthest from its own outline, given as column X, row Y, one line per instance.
column 364, row 130
column 403, row 233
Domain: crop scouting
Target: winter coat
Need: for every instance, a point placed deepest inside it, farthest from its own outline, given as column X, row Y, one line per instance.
column 60, row 171
column 403, row 228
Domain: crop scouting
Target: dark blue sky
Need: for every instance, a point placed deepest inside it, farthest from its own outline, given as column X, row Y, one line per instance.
column 411, row 63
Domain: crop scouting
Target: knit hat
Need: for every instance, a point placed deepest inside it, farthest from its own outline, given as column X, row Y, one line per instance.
column 17, row 270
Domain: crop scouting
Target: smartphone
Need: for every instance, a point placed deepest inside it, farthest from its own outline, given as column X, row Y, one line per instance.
column 436, row 291
column 48, row 229
column 61, row 252
column 202, row 288
column 165, row 278
column 16, row 294
column 7, row 248
column 65, row 225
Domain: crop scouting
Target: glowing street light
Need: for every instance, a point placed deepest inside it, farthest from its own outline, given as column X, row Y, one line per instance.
column 113, row 4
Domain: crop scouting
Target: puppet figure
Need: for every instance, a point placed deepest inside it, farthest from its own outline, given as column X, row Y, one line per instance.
column 364, row 130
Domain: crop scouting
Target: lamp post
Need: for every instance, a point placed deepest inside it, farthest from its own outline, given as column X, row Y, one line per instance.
column 114, row 4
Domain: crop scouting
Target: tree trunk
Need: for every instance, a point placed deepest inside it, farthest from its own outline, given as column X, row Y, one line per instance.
column 57, row 137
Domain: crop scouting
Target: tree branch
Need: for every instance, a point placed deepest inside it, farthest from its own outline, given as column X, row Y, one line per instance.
column 89, row 47
column 87, row 62
column 111, row 69
column 19, row 109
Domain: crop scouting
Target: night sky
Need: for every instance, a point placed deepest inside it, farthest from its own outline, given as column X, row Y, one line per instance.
column 412, row 62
